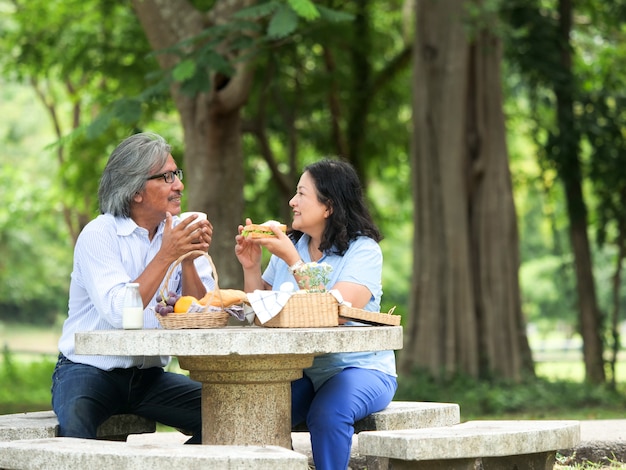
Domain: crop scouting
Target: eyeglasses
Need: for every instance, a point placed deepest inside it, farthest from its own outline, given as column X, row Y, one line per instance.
column 168, row 176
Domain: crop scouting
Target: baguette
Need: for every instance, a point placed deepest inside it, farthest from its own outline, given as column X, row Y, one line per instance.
column 224, row 298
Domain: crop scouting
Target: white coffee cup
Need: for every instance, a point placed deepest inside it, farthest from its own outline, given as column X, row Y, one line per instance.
column 201, row 216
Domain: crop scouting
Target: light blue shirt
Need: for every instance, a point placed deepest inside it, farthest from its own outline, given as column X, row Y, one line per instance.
column 361, row 264
column 110, row 252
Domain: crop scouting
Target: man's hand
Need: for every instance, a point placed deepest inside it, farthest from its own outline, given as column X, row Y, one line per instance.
column 185, row 237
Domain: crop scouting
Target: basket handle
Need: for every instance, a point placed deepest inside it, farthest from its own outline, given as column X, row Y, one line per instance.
column 170, row 271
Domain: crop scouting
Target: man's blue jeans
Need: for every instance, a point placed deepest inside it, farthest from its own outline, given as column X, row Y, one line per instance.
column 83, row 397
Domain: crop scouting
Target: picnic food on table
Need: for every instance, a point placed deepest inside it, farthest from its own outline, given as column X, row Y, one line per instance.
column 175, row 303
column 263, row 230
column 182, row 304
column 166, row 305
column 224, row 298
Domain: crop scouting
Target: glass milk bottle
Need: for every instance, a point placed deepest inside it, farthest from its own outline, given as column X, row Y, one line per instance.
column 132, row 311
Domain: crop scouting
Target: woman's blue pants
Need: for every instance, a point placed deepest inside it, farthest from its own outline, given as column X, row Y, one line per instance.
column 330, row 413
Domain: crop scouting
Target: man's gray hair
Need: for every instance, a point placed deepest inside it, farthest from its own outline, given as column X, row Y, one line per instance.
column 131, row 163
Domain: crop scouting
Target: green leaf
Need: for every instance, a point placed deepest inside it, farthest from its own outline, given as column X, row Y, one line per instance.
column 257, row 11
column 184, row 69
column 99, row 125
column 283, row 23
column 211, row 60
column 199, row 83
column 305, row 9
column 334, row 16
column 128, row 111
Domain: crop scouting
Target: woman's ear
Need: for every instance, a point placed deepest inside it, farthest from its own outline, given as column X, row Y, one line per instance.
column 328, row 211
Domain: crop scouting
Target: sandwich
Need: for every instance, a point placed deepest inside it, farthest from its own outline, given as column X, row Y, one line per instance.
column 224, row 298
column 263, row 230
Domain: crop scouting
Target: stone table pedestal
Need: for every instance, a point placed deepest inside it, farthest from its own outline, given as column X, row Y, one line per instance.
column 246, row 396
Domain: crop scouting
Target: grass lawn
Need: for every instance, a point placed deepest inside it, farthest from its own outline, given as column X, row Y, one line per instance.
column 30, row 340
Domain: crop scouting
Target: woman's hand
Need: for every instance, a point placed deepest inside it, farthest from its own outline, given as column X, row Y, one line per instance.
column 248, row 253
column 280, row 246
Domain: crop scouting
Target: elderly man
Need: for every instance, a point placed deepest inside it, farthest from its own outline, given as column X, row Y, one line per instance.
column 136, row 238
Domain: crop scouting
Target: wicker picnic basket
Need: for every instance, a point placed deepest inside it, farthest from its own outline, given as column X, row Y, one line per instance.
column 306, row 310
column 207, row 318
column 374, row 318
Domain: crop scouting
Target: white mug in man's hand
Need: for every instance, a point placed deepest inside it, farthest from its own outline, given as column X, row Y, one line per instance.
column 201, row 216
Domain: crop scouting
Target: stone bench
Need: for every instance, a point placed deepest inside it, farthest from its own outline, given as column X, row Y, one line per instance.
column 67, row 453
column 407, row 415
column 492, row 445
column 42, row 424
column 403, row 415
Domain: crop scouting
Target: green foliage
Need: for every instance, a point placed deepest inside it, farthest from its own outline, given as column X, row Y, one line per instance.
column 290, row 11
column 184, row 70
column 587, row 150
column 34, row 244
column 333, row 16
column 305, row 9
column 80, row 56
column 532, row 45
column 547, row 289
column 283, row 23
column 535, row 398
column 319, row 67
column 30, row 383
column 218, row 48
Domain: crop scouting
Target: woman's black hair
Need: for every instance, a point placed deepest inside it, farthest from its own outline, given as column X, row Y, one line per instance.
column 338, row 187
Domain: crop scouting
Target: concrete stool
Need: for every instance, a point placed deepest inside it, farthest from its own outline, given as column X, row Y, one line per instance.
column 500, row 445
column 41, row 424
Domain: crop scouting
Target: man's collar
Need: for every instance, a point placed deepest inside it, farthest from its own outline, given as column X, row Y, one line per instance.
column 125, row 225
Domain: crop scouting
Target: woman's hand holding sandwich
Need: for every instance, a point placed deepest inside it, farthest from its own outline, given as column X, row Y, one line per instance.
column 248, row 251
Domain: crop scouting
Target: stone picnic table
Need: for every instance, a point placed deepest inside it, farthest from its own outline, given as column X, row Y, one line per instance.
column 245, row 371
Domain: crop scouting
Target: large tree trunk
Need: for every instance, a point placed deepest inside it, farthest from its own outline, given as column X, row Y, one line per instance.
column 213, row 160
column 465, row 313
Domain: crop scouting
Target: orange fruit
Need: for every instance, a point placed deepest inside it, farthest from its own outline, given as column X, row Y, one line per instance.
column 183, row 304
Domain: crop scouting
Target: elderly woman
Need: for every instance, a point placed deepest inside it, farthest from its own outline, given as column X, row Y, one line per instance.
column 332, row 225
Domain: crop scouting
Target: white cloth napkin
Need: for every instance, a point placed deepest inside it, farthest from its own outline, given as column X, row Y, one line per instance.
column 266, row 304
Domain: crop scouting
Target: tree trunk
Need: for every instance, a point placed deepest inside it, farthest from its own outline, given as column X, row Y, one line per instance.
column 567, row 159
column 615, row 314
column 213, row 160
column 465, row 314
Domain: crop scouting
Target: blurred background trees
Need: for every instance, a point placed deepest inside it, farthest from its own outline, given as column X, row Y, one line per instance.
column 249, row 92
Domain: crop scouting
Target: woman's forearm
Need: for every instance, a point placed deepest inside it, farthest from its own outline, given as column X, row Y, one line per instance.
column 252, row 280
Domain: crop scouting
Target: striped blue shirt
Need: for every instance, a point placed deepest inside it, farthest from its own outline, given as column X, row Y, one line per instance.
column 109, row 252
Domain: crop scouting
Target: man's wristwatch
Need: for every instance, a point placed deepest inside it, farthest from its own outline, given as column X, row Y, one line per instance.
column 295, row 266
